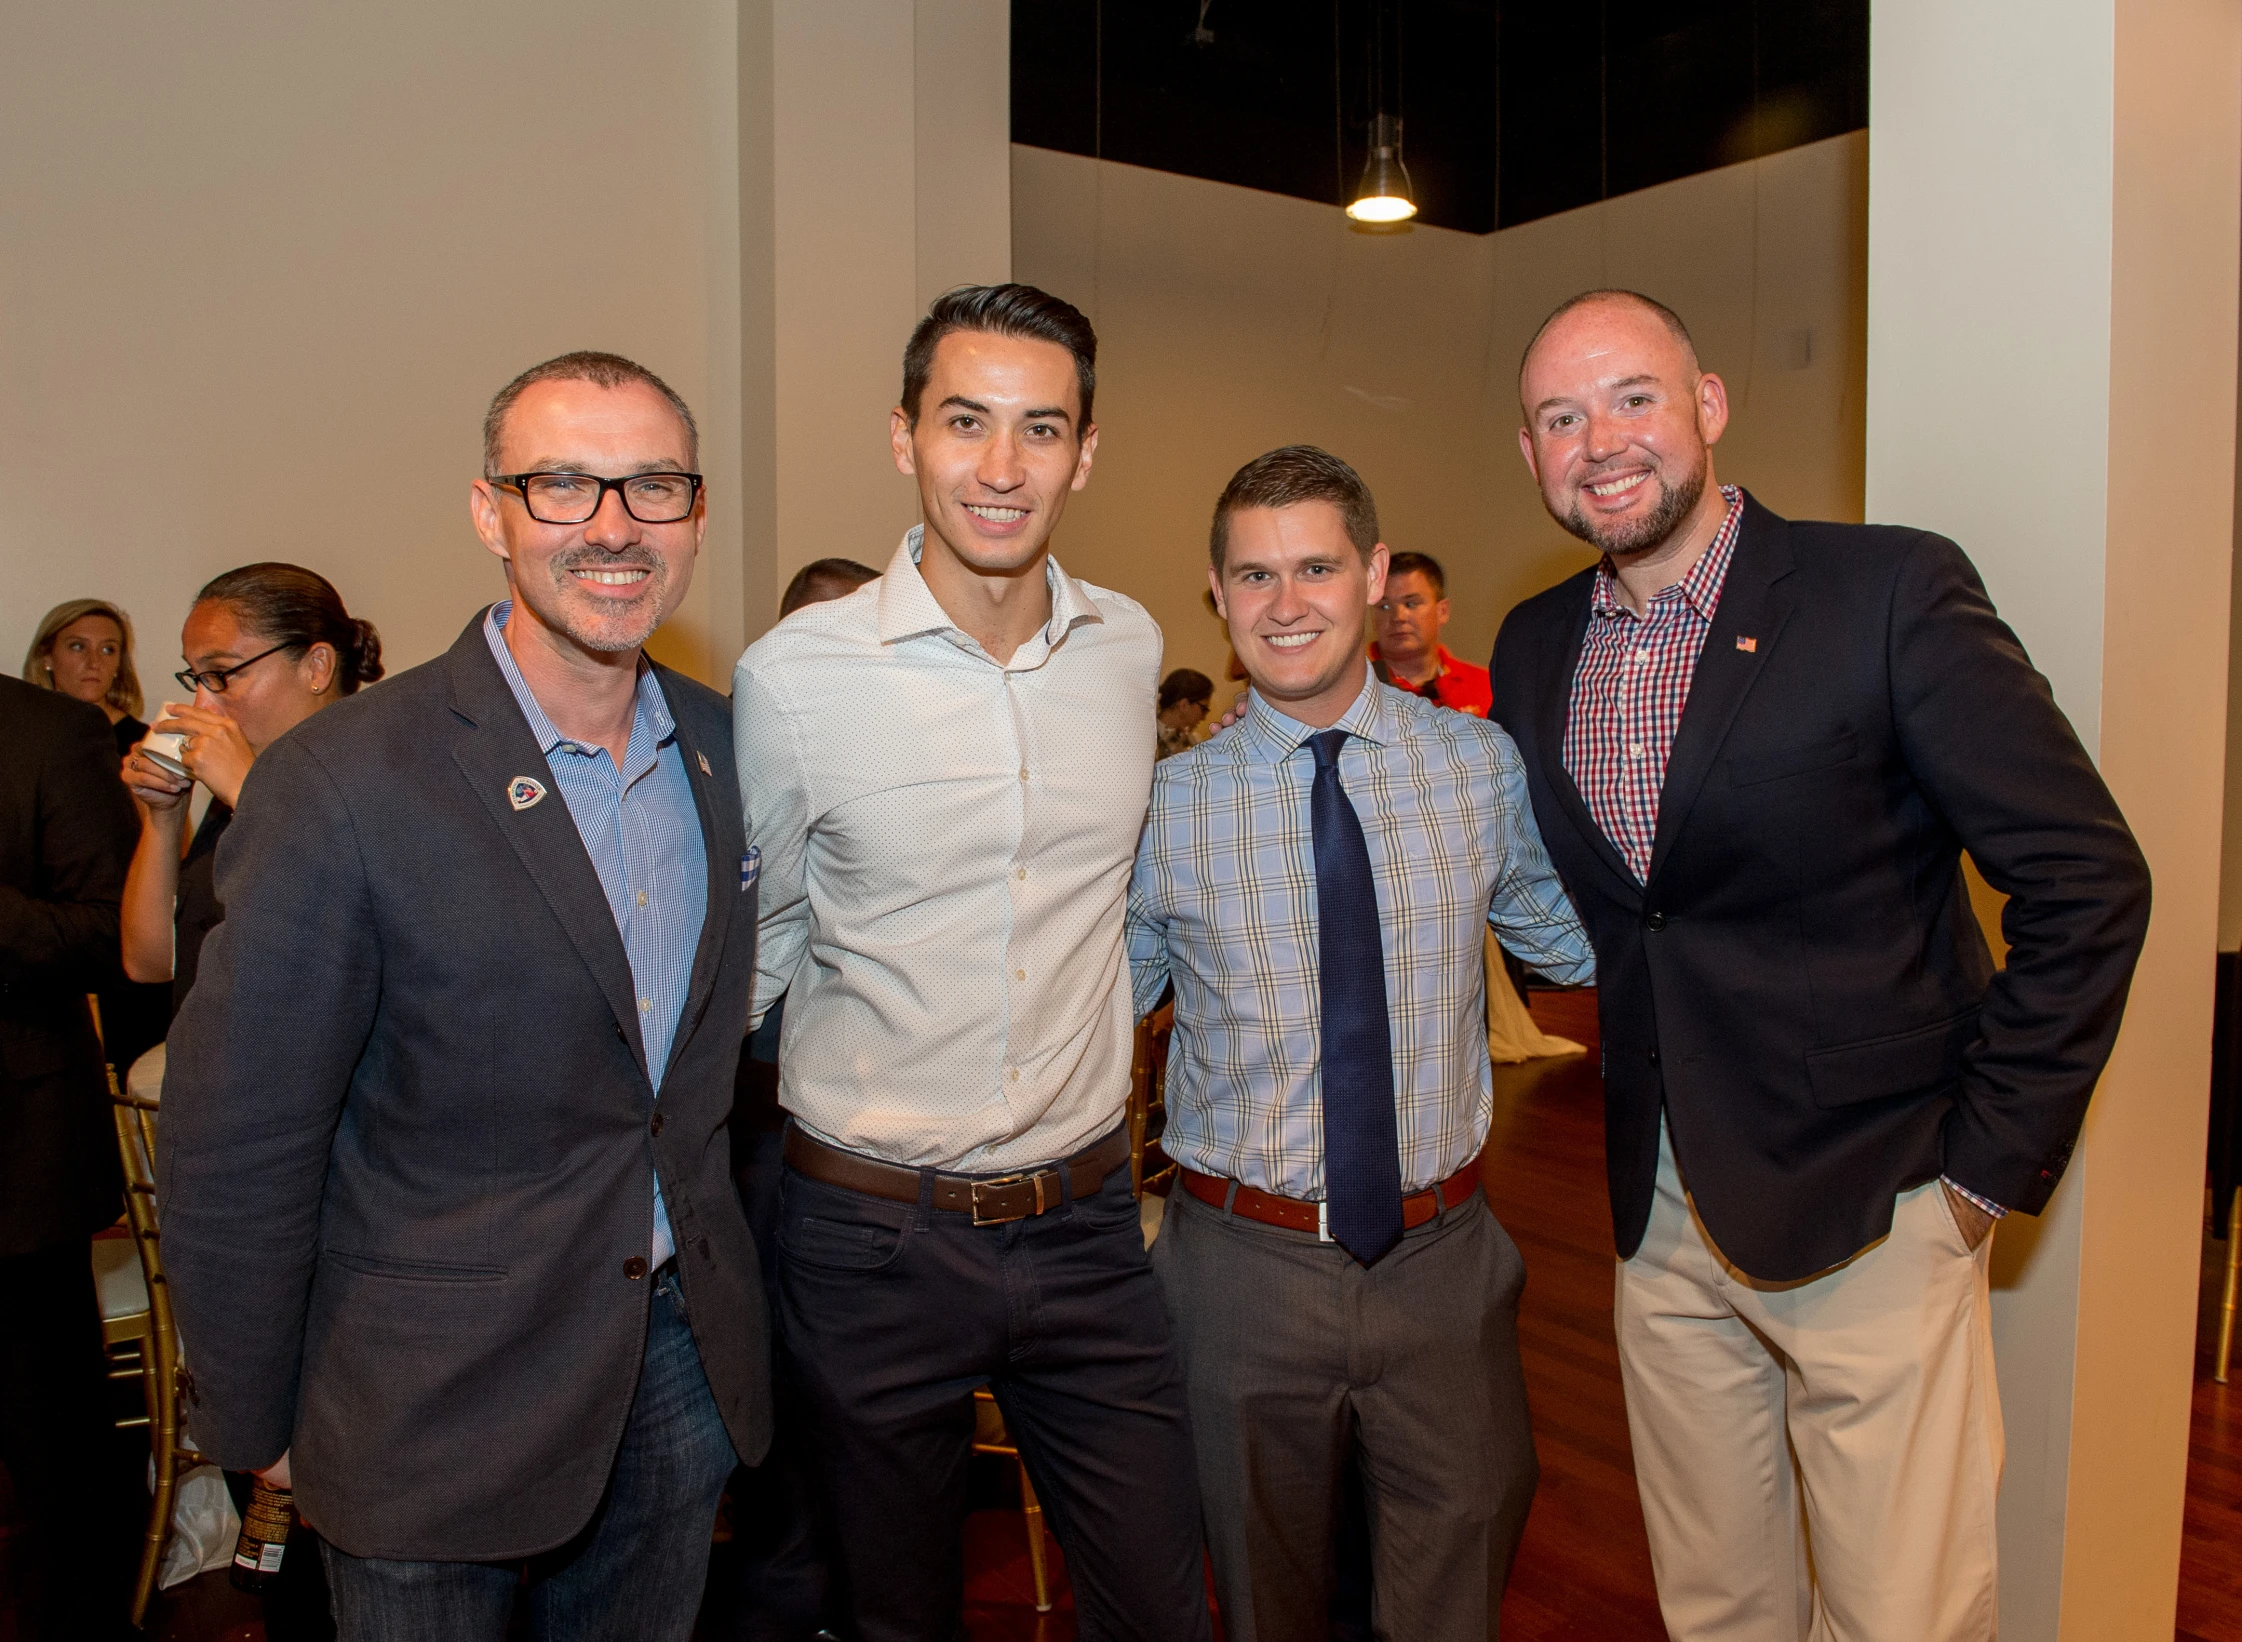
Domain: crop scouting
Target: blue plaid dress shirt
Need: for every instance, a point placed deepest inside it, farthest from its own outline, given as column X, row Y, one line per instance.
column 643, row 833
column 1224, row 903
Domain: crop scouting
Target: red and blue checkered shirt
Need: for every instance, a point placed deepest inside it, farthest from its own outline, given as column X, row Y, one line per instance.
column 1628, row 693
column 1630, row 687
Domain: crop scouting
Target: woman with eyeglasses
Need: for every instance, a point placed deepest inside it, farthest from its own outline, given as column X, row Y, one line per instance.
column 266, row 647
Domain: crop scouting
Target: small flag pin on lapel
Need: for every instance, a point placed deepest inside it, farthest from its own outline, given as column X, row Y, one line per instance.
column 523, row 791
column 1748, row 646
column 703, row 757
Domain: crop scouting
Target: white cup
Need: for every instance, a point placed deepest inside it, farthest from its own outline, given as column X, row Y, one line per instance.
column 162, row 749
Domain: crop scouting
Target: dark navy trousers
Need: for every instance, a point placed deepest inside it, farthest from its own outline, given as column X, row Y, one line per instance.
column 891, row 1314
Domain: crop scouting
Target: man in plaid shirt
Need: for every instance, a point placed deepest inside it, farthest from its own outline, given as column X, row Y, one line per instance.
column 1757, row 748
column 1317, row 884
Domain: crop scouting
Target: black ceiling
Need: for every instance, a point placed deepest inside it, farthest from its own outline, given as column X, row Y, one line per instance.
column 1510, row 112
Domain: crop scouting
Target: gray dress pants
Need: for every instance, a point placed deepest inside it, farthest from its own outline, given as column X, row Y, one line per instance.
column 1293, row 1353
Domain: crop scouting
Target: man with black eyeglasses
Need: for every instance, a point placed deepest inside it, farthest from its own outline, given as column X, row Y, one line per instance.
column 446, row 1190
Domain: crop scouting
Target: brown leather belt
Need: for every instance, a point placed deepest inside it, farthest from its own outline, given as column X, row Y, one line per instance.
column 1298, row 1214
column 991, row 1201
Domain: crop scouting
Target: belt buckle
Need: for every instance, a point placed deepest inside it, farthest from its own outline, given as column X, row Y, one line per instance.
column 1037, row 1176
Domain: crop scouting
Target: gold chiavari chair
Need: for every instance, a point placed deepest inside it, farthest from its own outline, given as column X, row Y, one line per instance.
column 136, row 1143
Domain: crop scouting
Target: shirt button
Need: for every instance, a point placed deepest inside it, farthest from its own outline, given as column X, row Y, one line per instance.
column 635, row 1267
column 1020, row 873
column 1015, row 1074
column 1634, row 749
column 642, row 897
column 645, row 1006
column 1023, row 772
column 1019, row 974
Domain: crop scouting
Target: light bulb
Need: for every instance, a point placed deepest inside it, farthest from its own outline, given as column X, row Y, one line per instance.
column 1384, row 194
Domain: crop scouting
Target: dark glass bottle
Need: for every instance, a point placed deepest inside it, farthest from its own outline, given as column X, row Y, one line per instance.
column 265, row 1522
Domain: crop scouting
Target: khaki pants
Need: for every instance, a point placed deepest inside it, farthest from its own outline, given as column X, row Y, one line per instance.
column 1818, row 1460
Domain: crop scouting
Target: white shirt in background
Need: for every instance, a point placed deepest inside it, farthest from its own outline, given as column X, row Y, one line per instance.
column 945, row 848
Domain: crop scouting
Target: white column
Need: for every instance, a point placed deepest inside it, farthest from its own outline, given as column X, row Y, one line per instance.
column 878, row 174
column 2055, row 199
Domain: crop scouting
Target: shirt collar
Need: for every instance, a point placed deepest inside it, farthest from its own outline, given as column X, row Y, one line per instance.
column 908, row 607
column 1700, row 589
column 1272, row 735
column 651, row 712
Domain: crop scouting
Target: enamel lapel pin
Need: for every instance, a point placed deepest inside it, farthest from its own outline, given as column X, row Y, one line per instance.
column 1748, row 646
column 524, row 791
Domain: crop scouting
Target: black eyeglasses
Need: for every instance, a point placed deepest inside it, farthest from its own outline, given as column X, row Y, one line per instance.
column 214, row 679
column 573, row 498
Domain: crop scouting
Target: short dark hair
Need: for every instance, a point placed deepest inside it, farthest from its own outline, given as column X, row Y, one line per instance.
column 1613, row 293
column 1288, row 476
column 1002, row 310
column 1418, row 564
column 823, row 579
column 608, row 370
column 1186, row 684
column 291, row 608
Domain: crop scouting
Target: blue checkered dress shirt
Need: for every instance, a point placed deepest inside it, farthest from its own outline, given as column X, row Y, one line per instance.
column 643, row 833
column 1224, row 902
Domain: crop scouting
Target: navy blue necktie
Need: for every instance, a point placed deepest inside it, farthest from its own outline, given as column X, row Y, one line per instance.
column 1361, row 1141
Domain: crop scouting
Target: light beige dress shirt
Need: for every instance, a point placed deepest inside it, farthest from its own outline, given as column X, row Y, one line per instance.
column 944, row 845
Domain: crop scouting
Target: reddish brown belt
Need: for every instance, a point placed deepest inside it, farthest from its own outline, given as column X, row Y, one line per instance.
column 991, row 1202
column 1298, row 1214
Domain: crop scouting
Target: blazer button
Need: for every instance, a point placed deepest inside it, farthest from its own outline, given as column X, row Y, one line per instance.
column 1656, row 921
column 1654, row 1057
column 635, row 1267
column 654, row 1124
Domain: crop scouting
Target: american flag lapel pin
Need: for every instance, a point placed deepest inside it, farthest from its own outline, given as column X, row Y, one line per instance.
column 1748, row 646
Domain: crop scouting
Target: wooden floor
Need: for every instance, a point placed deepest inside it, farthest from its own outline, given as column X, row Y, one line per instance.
column 1583, row 1574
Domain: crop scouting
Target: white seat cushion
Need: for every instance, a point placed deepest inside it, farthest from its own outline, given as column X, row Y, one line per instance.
column 145, row 1080
column 117, row 1278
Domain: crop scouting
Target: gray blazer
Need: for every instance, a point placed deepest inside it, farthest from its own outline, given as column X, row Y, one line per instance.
column 407, row 1129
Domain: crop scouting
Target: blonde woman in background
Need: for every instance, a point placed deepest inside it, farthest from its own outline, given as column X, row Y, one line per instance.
column 84, row 649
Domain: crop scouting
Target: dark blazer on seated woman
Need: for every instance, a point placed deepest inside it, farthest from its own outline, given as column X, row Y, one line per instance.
column 409, row 1132
column 1801, row 984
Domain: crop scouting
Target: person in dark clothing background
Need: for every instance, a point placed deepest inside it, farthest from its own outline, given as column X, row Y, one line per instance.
column 785, row 1573
column 65, row 833
column 83, row 648
column 242, row 704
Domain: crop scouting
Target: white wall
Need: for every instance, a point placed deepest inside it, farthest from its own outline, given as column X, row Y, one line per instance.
column 263, row 265
column 1231, row 321
column 2056, row 206
column 259, row 261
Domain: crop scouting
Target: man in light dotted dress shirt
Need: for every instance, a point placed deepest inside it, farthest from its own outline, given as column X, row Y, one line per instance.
column 944, row 776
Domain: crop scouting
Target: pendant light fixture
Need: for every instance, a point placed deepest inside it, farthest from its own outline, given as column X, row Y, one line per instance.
column 1384, row 196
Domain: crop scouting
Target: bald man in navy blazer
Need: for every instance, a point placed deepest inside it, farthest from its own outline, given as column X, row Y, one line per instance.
column 446, row 1189
column 1757, row 751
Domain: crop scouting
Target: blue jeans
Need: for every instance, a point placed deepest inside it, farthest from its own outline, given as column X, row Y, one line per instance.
column 634, row 1573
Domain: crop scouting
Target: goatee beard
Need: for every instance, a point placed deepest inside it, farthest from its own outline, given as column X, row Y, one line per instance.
column 1675, row 503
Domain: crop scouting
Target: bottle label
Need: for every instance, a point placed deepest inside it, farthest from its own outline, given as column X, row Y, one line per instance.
column 266, row 1560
